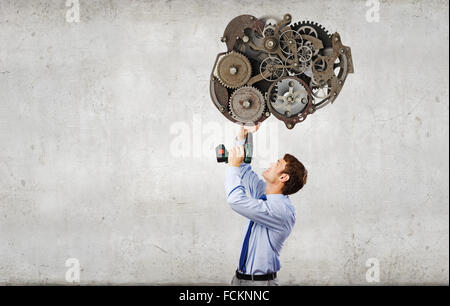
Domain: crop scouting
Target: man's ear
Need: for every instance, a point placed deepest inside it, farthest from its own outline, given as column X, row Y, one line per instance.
column 284, row 177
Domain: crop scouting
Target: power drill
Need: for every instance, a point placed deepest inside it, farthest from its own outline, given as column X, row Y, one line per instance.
column 222, row 153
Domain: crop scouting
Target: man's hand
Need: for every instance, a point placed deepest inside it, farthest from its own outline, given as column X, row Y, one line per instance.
column 244, row 130
column 236, row 156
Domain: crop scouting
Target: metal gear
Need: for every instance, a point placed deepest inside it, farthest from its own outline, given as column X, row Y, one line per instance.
column 322, row 33
column 297, row 68
column 305, row 54
column 269, row 28
column 320, row 92
column 290, row 97
column 320, row 65
column 306, row 65
column 340, row 67
column 247, row 104
column 308, row 30
column 292, row 67
column 272, row 65
column 289, row 38
column 310, row 45
column 234, row 70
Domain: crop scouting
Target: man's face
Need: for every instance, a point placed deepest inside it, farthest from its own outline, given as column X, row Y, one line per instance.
column 273, row 173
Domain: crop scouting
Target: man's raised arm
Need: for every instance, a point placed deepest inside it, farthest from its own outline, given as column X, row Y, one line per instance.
column 249, row 178
column 257, row 210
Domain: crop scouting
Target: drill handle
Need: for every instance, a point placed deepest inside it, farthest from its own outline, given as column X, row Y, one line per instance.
column 248, row 148
column 221, row 154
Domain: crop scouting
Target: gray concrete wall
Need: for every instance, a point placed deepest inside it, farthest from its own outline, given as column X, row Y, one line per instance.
column 92, row 113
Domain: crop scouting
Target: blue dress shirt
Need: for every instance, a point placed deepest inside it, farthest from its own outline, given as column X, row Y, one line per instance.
column 274, row 218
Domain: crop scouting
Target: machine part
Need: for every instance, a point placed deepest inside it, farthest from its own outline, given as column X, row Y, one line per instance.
column 324, row 67
column 320, row 92
column 235, row 29
column 271, row 43
column 269, row 31
column 334, row 84
column 340, row 67
column 263, row 56
column 340, row 59
column 305, row 54
column 269, row 27
column 308, row 30
column 294, row 67
column 247, row 104
column 315, row 44
column 233, row 70
column 271, row 68
column 290, row 41
column 320, row 65
column 325, row 93
column 306, row 66
column 218, row 92
column 314, row 48
column 290, row 97
column 290, row 100
column 320, row 32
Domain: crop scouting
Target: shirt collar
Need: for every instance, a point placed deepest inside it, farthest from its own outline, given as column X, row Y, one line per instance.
column 276, row 196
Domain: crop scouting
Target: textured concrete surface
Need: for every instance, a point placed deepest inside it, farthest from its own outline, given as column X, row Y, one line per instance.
column 91, row 114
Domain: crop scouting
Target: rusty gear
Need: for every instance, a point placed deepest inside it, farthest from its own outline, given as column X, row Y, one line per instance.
column 320, row 92
column 297, row 68
column 290, row 39
column 308, row 30
column 271, row 68
column 320, row 31
column 269, row 28
column 234, row 70
column 247, row 104
column 305, row 54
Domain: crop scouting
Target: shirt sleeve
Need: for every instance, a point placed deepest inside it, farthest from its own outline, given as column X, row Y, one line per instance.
column 250, row 180
column 254, row 209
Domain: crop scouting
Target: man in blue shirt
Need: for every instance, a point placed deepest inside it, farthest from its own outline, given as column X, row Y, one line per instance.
column 269, row 210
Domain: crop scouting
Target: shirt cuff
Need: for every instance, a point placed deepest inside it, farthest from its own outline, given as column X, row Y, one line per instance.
column 233, row 170
column 239, row 142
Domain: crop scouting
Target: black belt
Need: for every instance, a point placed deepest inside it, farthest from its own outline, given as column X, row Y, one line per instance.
column 261, row 277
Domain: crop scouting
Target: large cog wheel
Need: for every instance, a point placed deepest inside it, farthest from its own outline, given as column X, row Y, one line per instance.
column 234, row 70
column 247, row 104
column 290, row 97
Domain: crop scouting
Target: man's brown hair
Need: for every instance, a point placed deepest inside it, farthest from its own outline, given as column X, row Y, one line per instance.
column 297, row 175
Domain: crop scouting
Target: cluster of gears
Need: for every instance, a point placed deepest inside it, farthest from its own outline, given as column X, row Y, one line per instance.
column 276, row 68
